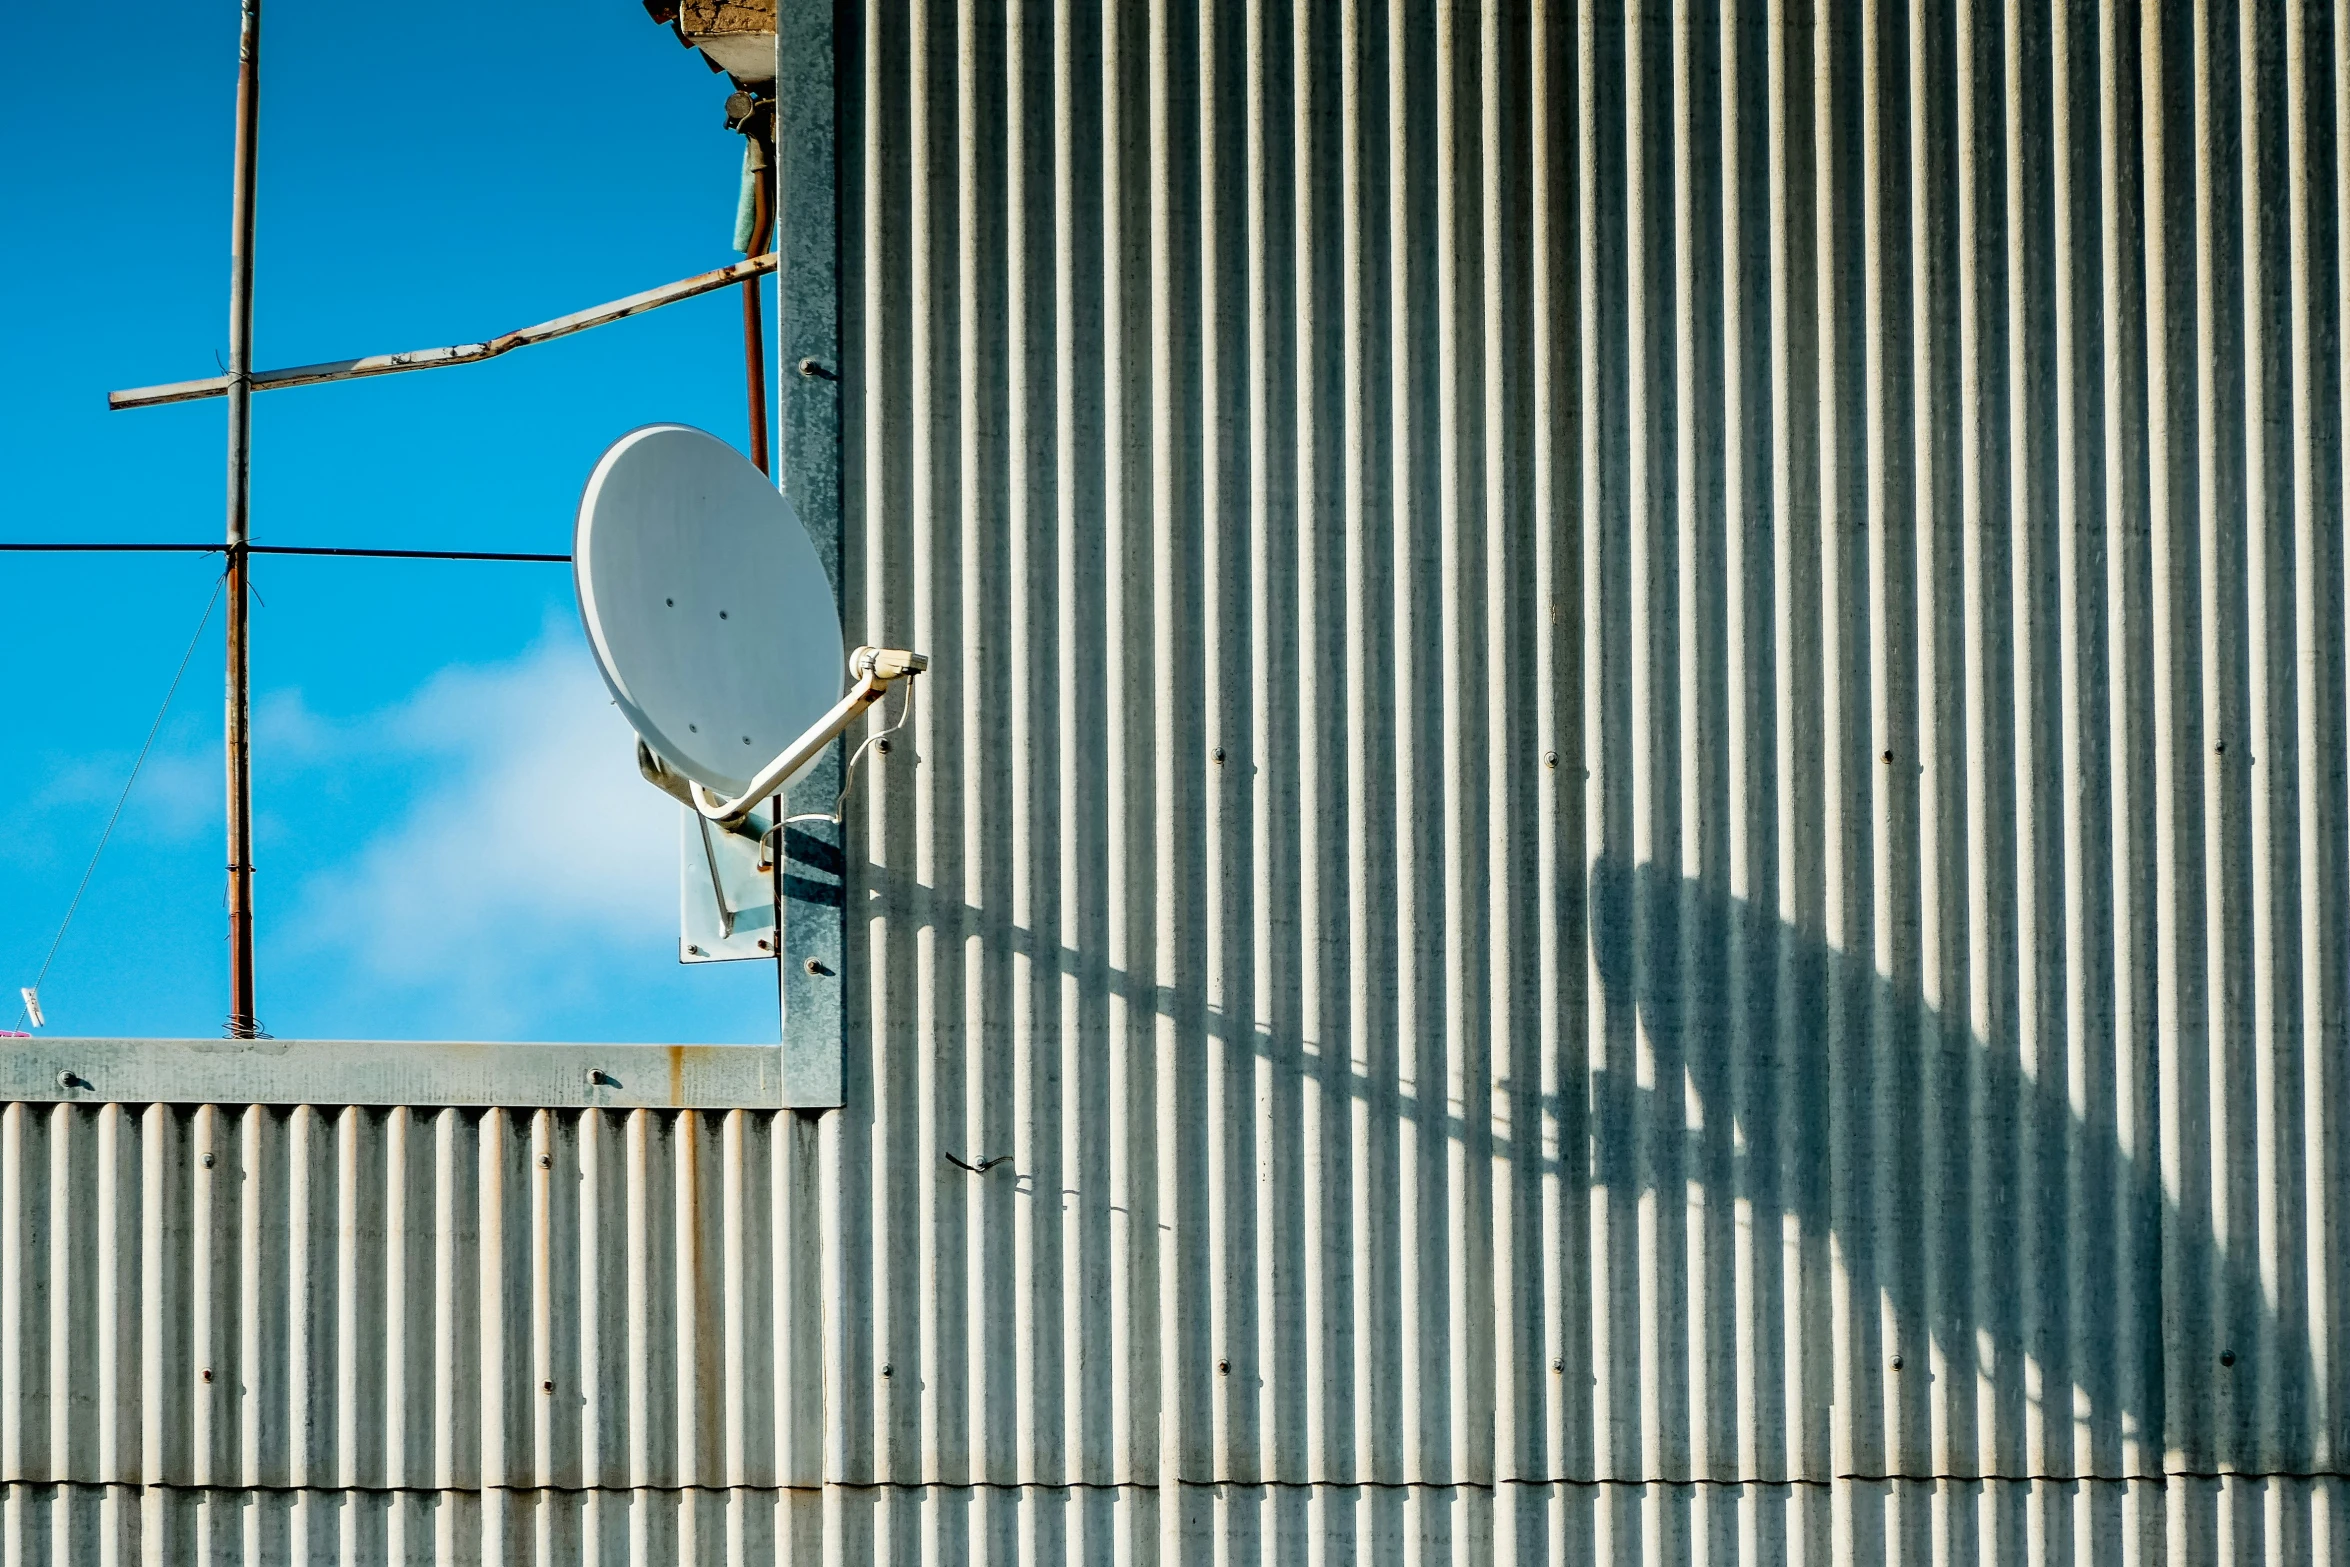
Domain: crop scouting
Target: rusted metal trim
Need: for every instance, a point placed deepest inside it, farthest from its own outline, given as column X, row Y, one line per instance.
column 387, row 1072
column 459, row 354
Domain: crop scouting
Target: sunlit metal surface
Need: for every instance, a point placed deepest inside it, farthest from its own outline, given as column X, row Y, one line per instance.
column 1631, row 808
column 1632, row 803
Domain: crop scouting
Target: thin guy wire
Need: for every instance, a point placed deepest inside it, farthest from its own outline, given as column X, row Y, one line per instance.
column 24, row 1013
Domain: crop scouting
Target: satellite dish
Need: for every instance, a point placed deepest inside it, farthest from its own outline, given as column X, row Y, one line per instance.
column 710, row 616
column 713, row 622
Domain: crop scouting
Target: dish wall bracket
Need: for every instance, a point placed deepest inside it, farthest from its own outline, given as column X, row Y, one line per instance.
column 726, row 891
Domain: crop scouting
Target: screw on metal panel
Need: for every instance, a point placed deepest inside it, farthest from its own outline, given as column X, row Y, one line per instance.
column 546, row 1161
column 889, row 1371
column 813, row 370
column 67, row 1079
column 696, row 951
column 2227, row 1357
column 1550, row 758
column 1217, row 756
column 1223, row 1367
column 208, row 1161
column 207, row 1373
column 816, row 967
column 1897, row 1362
column 599, row 1078
column 546, row 1387
column 2220, row 749
column 1888, row 758
column 881, row 746
column 1558, row 1365
column 763, row 947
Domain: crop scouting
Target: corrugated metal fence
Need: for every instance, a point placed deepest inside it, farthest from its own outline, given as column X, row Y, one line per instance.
column 1632, row 812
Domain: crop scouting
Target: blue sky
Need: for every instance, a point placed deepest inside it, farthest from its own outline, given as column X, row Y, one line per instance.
column 450, row 838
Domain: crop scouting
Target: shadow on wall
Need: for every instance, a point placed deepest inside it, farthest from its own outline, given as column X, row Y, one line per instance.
column 1993, row 1234
column 1986, row 1201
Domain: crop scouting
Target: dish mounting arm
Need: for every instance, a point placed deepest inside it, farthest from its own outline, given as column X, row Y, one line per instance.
column 874, row 670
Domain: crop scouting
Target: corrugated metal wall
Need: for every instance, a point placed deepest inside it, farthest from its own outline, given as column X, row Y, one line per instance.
column 364, row 1334
column 1632, row 802
column 1629, row 842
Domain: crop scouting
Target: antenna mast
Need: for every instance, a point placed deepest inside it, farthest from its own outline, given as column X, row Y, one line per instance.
column 242, row 1023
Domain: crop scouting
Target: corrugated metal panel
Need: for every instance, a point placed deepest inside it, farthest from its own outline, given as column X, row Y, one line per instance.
column 1632, row 810
column 470, row 1325
column 1633, row 788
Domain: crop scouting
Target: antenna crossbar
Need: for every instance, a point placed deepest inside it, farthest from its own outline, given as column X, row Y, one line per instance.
column 457, row 354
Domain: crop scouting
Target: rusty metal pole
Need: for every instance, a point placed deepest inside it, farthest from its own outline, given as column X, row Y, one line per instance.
column 755, row 371
column 754, row 335
column 242, row 1022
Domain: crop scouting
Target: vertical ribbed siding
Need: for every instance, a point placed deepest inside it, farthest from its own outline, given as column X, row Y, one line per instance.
column 1635, row 783
column 1633, row 810
column 282, row 1333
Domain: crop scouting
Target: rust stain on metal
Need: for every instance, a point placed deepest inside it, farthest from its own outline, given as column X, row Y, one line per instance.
column 677, row 1074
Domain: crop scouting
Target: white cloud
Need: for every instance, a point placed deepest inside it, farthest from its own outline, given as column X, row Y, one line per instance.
column 178, row 791
column 532, row 854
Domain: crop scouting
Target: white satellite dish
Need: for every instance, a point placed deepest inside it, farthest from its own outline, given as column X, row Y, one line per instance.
column 713, row 621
